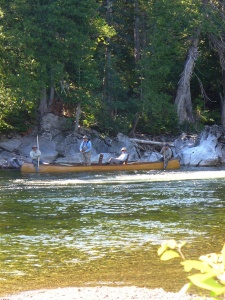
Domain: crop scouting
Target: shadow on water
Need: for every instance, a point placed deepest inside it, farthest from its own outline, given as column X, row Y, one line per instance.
column 77, row 229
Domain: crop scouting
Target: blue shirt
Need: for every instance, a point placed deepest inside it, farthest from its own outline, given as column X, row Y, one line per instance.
column 85, row 146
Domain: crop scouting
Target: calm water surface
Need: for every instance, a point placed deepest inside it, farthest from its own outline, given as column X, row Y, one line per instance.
column 90, row 229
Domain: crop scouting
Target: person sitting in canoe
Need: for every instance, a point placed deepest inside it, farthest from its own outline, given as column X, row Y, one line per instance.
column 119, row 160
column 167, row 154
column 85, row 149
column 35, row 155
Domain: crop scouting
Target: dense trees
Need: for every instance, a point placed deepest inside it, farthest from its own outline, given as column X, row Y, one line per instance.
column 134, row 65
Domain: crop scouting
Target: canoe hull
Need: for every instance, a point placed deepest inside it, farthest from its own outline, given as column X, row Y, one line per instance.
column 145, row 166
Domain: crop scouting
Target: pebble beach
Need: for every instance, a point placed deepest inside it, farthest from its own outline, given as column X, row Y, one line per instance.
column 101, row 293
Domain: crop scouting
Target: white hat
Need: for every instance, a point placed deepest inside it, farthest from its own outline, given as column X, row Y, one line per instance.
column 125, row 149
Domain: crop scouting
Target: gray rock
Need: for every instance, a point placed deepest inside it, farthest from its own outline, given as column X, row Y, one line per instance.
column 54, row 124
column 208, row 152
column 11, row 145
column 59, row 143
column 151, row 156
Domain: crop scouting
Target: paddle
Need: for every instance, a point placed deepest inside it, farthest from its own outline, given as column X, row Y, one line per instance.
column 164, row 161
column 38, row 156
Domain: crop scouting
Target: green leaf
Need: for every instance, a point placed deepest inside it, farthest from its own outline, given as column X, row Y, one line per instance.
column 162, row 249
column 196, row 264
column 169, row 254
column 206, row 281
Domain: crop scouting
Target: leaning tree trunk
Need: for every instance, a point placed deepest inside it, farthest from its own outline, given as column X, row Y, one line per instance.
column 183, row 96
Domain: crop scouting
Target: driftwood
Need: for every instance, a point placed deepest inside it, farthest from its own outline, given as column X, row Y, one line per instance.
column 151, row 142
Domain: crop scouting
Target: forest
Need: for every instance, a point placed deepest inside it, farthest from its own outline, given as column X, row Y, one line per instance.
column 150, row 66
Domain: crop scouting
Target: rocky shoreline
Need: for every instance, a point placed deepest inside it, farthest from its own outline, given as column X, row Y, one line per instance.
column 59, row 143
column 101, row 293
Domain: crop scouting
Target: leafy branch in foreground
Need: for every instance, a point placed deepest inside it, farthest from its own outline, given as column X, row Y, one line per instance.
column 210, row 268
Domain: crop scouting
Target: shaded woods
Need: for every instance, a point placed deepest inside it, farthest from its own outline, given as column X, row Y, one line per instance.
column 113, row 66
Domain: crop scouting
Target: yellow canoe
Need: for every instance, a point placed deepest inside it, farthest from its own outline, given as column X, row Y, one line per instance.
column 132, row 166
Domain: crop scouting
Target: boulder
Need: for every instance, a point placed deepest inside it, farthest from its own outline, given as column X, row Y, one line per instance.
column 207, row 150
column 47, row 148
column 10, row 161
column 11, row 144
column 185, row 141
column 120, row 141
column 54, row 124
column 151, row 156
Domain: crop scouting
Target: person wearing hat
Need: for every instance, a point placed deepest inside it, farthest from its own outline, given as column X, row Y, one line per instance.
column 167, row 153
column 121, row 159
column 35, row 155
column 85, row 149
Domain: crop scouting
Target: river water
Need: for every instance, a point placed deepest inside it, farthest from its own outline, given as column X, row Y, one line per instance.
column 104, row 229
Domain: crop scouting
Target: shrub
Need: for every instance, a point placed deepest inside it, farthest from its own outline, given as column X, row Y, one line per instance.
column 210, row 268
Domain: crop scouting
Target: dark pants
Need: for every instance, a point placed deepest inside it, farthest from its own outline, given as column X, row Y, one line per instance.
column 115, row 161
column 87, row 158
column 35, row 163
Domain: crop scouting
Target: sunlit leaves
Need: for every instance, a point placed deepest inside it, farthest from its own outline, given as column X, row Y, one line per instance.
column 197, row 265
column 206, row 281
column 210, row 268
column 169, row 254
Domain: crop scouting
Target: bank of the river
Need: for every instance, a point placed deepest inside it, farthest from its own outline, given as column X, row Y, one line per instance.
column 101, row 293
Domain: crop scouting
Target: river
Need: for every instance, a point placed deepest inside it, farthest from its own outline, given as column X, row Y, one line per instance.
column 104, row 229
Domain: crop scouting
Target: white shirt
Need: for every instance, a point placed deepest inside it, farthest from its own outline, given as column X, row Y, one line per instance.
column 35, row 154
column 123, row 156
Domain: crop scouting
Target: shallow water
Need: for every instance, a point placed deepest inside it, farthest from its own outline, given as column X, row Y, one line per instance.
column 77, row 229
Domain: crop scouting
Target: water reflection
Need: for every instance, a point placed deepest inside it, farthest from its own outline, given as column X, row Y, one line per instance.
column 50, row 222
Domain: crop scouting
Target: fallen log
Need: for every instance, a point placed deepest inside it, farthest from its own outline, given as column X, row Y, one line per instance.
column 151, row 142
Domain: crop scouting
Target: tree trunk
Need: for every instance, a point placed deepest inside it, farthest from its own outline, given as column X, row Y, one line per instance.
column 107, row 81
column 137, row 51
column 77, row 120
column 223, row 110
column 148, row 142
column 51, row 97
column 183, row 97
column 134, row 124
column 222, row 97
column 43, row 107
column 137, row 57
column 218, row 45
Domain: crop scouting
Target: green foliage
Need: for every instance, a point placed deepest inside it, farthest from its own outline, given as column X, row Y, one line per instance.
column 14, row 110
column 21, row 121
column 111, row 126
column 159, row 115
column 210, row 268
column 92, row 48
column 160, row 74
column 43, row 43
